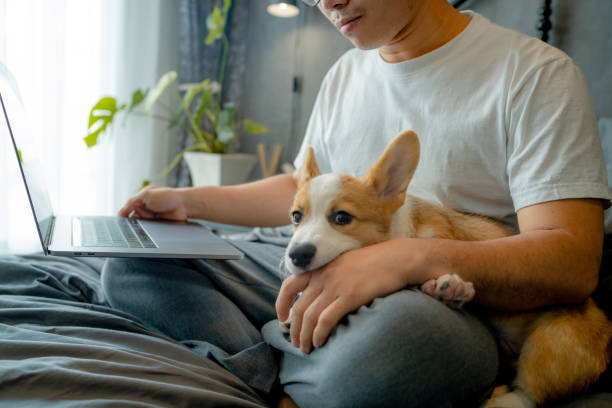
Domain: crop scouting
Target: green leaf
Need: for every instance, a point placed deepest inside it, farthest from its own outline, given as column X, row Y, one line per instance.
column 254, row 127
column 137, row 97
column 92, row 139
column 164, row 82
column 226, row 135
column 144, row 184
column 218, row 147
column 226, row 123
column 20, row 156
column 226, row 5
column 211, row 37
column 215, row 22
column 190, row 94
column 229, row 106
column 101, row 115
column 102, row 108
column 176, row 117
column 203, row 103
column 192, row 91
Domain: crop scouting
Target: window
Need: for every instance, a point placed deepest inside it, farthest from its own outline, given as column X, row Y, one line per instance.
column 65, row 55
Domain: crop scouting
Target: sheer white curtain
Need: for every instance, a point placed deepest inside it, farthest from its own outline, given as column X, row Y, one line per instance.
column 65, row 55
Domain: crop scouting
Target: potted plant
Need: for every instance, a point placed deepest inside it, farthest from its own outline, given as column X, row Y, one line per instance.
column 199, row 110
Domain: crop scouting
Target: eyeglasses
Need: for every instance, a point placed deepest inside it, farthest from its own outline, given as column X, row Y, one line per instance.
column 311, row 3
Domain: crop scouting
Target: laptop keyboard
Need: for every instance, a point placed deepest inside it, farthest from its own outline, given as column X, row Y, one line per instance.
column 114, row 232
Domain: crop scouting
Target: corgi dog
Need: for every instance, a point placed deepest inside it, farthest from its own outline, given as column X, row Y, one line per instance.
column 561, row 350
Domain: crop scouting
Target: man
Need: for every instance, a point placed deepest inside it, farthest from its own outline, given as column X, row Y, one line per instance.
column 507, row 130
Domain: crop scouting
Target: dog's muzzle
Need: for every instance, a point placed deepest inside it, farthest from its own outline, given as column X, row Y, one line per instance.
column 301, row 255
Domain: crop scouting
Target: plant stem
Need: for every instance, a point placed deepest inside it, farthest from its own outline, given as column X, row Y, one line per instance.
column 223, row 65
column 158, row 117
column 224, row 53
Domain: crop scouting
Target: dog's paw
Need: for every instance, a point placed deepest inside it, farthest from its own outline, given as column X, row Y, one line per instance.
column 284, row 326
column 450, row 289
column 513, row 399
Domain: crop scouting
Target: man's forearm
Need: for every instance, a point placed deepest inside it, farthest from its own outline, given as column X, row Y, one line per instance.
column 539, row 268
column 520, row 272
column 261, row 203
column 555, row 259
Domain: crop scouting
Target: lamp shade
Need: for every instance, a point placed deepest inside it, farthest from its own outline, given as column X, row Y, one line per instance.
column 283, row 8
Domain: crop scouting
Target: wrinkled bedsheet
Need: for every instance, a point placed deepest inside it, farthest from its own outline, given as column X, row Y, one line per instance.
column 61, row 345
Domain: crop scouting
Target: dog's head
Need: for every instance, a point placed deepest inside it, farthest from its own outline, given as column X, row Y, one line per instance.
column 334, row 213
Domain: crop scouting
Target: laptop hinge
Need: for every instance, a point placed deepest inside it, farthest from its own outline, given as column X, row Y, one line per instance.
column 49, row 236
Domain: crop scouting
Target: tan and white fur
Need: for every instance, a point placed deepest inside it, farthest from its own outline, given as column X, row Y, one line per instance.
column 561, row 350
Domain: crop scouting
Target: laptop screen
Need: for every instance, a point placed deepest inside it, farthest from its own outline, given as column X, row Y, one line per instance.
column 13, row 124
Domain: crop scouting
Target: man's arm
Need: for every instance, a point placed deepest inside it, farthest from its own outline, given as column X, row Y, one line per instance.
column 555, row 259
column 263, row 203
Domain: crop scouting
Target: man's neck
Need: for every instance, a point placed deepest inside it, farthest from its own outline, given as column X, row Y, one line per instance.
column 435, row 24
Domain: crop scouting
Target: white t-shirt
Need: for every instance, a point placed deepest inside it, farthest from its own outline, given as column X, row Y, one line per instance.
column 504, row 120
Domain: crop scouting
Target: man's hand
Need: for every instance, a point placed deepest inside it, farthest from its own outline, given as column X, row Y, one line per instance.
column 352, row 280
column 156, row 202
column 262, row 203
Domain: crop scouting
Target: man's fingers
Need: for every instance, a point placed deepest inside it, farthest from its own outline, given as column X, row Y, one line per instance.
column 131, row 205
column 125, row 211
column 310, row 319
column 137, row 200
column 328, row 319
column 308, row 296
column 143, row 212
column 291, row 286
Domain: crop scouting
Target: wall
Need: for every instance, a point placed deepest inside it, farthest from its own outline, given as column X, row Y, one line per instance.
column 306, row 46
column 279, row 50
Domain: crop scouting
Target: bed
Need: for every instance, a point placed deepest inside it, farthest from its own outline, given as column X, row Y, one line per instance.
column 61, row 345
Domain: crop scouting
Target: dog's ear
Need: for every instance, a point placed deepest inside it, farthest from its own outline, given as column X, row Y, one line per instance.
column 392, row 173
column 310, row 168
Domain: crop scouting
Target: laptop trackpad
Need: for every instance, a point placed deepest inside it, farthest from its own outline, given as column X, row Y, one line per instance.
column 186, row 234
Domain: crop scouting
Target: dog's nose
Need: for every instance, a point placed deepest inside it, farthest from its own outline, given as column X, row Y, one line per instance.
column 301, row 254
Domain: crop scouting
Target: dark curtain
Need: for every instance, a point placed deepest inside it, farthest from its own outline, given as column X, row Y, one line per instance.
column 198, row 61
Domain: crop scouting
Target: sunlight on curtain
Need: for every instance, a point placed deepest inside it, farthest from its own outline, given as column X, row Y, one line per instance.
column 65, row 55
column 55, row 50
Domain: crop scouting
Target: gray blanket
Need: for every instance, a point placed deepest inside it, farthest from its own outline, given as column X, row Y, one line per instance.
column 62, row 346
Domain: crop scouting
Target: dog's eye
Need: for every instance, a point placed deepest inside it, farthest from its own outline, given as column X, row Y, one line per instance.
column 342, row 218
column 296, row 217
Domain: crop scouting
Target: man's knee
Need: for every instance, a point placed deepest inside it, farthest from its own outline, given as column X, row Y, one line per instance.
column 117, row 269
column 122, row 276
column 402, row 350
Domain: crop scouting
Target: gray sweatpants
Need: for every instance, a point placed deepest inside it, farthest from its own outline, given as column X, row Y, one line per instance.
column 405, row 349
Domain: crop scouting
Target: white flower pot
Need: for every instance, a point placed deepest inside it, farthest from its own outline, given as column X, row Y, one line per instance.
column 213, row 169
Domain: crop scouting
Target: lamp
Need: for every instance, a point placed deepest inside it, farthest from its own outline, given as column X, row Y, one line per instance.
column 283, row 8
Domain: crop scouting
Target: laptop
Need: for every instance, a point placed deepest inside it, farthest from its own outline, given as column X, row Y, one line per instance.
column 105, row 236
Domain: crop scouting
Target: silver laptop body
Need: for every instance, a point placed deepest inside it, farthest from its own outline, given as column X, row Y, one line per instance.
column 107, row 236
